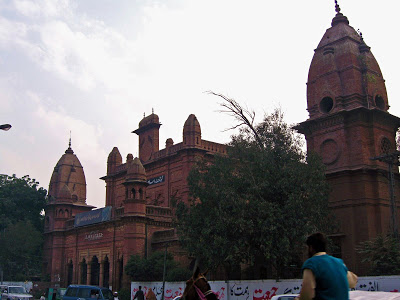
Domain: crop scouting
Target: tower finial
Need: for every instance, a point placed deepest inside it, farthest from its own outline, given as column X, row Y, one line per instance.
column 69, row 150
column 339, row 18
column 144, row 114
column 152, row 110
column 337, row 7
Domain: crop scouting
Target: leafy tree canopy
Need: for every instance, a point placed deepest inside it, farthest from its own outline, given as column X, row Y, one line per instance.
column 21, row 226
column 382, row 254
column 20, row 251
column 21, row 199
column 152, row 268
column 259, row 201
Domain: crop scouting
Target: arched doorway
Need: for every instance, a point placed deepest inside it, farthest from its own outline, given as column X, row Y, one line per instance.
column 106, row 272
column 70, row 272
column 83, row 271
column 120, row 271
column 95, row 271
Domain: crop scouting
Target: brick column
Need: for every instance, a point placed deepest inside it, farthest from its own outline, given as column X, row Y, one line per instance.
column 80, row 270
column 101, row 273
column 89, row 273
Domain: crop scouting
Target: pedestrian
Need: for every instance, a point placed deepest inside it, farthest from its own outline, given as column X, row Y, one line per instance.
column 324, row 276
column 150, row 295
column 139, row 294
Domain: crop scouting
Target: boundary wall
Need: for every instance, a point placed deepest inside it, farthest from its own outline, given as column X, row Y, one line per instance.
column 260, row 289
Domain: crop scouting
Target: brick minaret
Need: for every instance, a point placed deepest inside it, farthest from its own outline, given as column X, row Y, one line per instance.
column 349, row 124
column 148, row 133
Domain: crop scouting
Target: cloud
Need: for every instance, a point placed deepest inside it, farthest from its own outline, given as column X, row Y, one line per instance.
column 42, row 8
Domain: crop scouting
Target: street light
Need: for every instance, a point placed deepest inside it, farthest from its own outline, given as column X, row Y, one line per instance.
column 391, row 159
column 5, row 127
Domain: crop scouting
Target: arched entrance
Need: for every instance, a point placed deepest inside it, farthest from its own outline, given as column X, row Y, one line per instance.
column 106, row 272
column 120, row 272
column 83, row 272
column 95, row 271
column 70, row 272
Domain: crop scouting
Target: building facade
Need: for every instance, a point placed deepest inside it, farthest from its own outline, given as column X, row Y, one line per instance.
column 92, row 246
column 349, row 125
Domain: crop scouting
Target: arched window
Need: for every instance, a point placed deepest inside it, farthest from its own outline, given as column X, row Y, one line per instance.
column 379, row 102
column 326, row 104
column 106, row 272
column 140, row 194
column 133, row 193
column 70, row 272
column 83, row 271
column 95, row 271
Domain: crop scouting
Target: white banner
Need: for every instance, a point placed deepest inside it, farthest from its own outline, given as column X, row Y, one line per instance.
column 260, row 289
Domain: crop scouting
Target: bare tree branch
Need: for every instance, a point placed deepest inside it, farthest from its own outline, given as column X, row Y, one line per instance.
column 242, row 115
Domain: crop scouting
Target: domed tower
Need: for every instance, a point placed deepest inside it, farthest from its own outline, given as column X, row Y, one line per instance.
column 192, row 132
column 135, row 207
column 68, row 171
column 113, row 161
column 148, row 133
column 67, row 198
column 135, row 187
column 348, row 125
column 67, row 191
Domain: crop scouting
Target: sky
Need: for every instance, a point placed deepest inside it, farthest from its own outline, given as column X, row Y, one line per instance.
column 96, row 67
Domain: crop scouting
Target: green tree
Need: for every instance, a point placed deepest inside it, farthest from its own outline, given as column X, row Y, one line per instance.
column 382, row 254
column 256, row 204
column 151, row 269
column 20, row 252
column 21, row 199
column 22, row 202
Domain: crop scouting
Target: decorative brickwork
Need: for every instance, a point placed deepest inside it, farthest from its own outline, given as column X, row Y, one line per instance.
column 347, row 127
column 139, row 192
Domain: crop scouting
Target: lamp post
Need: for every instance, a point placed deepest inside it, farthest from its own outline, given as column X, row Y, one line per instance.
column 5, row 127
column 165, row 267
column 392, row 159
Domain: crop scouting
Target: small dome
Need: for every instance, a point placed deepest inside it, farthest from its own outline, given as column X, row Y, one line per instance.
column 114, row 156
column 192, row 131
column 192, row 125
column 150, row 119
column 169, row 142
column 135, row 171
column 68, row 174
column 338, row 78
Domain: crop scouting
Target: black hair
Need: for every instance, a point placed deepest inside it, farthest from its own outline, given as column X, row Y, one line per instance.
column 317, row 241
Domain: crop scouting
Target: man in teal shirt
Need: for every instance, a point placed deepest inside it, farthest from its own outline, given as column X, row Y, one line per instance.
column 324, row 276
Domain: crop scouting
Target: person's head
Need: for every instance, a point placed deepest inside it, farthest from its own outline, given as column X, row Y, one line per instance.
column 316, row 243
column 140, row 287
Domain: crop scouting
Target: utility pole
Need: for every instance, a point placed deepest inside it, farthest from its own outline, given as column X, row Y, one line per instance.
column 392, row 159
column 165, row 267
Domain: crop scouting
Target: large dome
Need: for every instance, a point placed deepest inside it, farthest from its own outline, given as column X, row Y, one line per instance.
column 343, row 73
column 68, row 172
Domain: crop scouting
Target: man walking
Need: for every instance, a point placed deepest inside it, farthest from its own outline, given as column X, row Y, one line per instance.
column 324, row 276
column 139, row 294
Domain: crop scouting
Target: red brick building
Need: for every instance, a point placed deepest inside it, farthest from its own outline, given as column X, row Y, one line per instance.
column 89, row 246
column 349, row 124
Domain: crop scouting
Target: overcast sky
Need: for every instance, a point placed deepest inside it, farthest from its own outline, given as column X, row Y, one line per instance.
column 94, row 67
